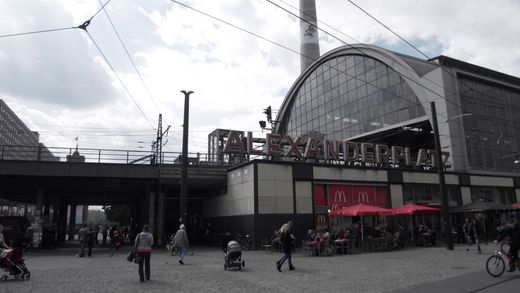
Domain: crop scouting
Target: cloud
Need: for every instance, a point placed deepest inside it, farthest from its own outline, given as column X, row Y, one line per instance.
column 59, row 79
column 56, row 68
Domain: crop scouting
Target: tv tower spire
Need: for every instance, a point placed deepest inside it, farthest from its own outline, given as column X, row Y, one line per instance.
column 309, row 42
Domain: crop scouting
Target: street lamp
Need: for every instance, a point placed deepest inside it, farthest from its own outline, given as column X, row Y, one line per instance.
column 458, row 116
column 183, row 206
column 442, row 183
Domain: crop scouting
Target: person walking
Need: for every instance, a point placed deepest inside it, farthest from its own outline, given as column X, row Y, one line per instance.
column 468, row 232
column 143, row 249
column 180, row 241
column 287, row 242
column 91, row 239
column 105, row 234
column 83, row 239
column 3, row 244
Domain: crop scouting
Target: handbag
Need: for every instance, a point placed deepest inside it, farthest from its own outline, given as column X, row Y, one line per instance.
column 133, row 255
column 130, row 257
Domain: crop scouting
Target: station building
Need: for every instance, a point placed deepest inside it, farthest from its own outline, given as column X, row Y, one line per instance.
column 356, row 126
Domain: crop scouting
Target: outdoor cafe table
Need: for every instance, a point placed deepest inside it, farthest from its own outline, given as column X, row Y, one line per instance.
column 341, row 244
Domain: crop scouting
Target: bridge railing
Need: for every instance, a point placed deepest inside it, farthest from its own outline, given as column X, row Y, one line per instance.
column 116, row 156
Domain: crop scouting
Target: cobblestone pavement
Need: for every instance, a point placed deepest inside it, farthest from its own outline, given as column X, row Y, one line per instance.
column 61, row 271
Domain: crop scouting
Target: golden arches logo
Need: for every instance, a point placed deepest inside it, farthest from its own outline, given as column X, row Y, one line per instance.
column 363, row 197
column 334, row 207
column 339, row 196
column 321, row 219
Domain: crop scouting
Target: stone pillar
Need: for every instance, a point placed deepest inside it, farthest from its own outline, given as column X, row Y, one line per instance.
column 40, row 198
column 62, row 222
column 72, row 221
column 159, row 224
column 84, row 215
column 151, row 211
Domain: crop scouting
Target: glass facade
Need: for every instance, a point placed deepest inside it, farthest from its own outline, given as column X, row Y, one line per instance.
column 413, row 193
column 492, row 132
column 350, row 95
column 496, row 194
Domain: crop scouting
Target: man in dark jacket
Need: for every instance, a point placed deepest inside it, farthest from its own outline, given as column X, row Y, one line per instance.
column 512, row 230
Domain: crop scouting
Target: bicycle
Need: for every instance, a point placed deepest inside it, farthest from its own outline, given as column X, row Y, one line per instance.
column 496, row 264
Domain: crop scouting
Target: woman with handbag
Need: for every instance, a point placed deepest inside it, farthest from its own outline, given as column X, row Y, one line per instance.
column 143, row 250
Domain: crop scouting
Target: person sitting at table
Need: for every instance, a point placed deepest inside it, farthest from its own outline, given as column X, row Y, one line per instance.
column 425, row 233
column 275, row 240
column 311, row 235
column 340, row 234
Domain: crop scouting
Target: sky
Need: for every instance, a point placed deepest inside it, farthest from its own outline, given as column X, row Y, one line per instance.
column 60, row 84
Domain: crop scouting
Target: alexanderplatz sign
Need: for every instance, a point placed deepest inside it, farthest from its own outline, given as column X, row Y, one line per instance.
column 344, row 150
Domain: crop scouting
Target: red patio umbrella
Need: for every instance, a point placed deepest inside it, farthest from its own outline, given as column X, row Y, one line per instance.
column 361, row 210
column 516, row 204
column 410, row 209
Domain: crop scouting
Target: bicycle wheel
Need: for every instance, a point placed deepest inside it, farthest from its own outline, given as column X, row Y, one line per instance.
column 495, row 266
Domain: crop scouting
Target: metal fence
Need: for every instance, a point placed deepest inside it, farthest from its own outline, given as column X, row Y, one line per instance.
column 115, row 156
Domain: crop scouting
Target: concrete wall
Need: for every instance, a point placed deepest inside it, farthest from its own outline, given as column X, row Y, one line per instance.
column 428, row 178
column 275, row 189
column 396, row 195
column 239, row 199
column 303, row 197
column 465, row 193
column 491, row 181
column 324, row 173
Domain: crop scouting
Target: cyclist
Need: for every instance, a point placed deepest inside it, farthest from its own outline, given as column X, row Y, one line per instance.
column 512, row 230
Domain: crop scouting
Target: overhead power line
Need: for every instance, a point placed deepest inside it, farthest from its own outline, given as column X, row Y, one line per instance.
column 389, row 29
column 38, row 32
column 119, row 79
column 130, row 57
column 296, row 52
column 403, row 75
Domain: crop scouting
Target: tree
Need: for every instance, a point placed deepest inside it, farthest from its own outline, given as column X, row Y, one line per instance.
column 121, row 214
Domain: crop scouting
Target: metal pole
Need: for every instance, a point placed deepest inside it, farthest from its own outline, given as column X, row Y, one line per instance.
column 442, row 183
column 183, row 207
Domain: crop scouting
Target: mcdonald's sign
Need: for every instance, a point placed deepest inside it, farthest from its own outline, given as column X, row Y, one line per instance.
column 321, row 220
column 339, row 196
column 363, row 197
column 344, row 195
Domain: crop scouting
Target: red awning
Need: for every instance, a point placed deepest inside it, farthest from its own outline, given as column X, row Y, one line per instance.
column 360, row 209
column 411, row 209
column 516, row 204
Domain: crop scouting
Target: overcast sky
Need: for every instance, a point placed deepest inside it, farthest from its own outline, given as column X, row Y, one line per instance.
column 59, row 84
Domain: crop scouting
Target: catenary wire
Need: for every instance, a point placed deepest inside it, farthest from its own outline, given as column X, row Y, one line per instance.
column 119, row 79
column 130, row 58
column 38, row 32
column 405, row 76
column 427, row 57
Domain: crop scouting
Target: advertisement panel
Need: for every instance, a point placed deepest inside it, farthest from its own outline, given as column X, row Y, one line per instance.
column 318, row 195
column 347, row 195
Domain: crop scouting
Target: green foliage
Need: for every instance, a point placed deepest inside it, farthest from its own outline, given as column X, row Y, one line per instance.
column 119, row 213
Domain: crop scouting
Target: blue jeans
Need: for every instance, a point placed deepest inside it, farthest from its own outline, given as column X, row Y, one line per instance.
column 144, row 260
column 286, row 256
column 182, row 253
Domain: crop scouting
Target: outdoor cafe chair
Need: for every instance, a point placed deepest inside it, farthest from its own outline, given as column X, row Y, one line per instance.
column 307, row 248
column 265, row 245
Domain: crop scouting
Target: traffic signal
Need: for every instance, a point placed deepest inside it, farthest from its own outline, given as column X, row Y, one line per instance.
column 268, row 113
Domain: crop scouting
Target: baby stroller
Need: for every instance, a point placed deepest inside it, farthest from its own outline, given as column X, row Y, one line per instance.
column 233, row 256
column 12, row 262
